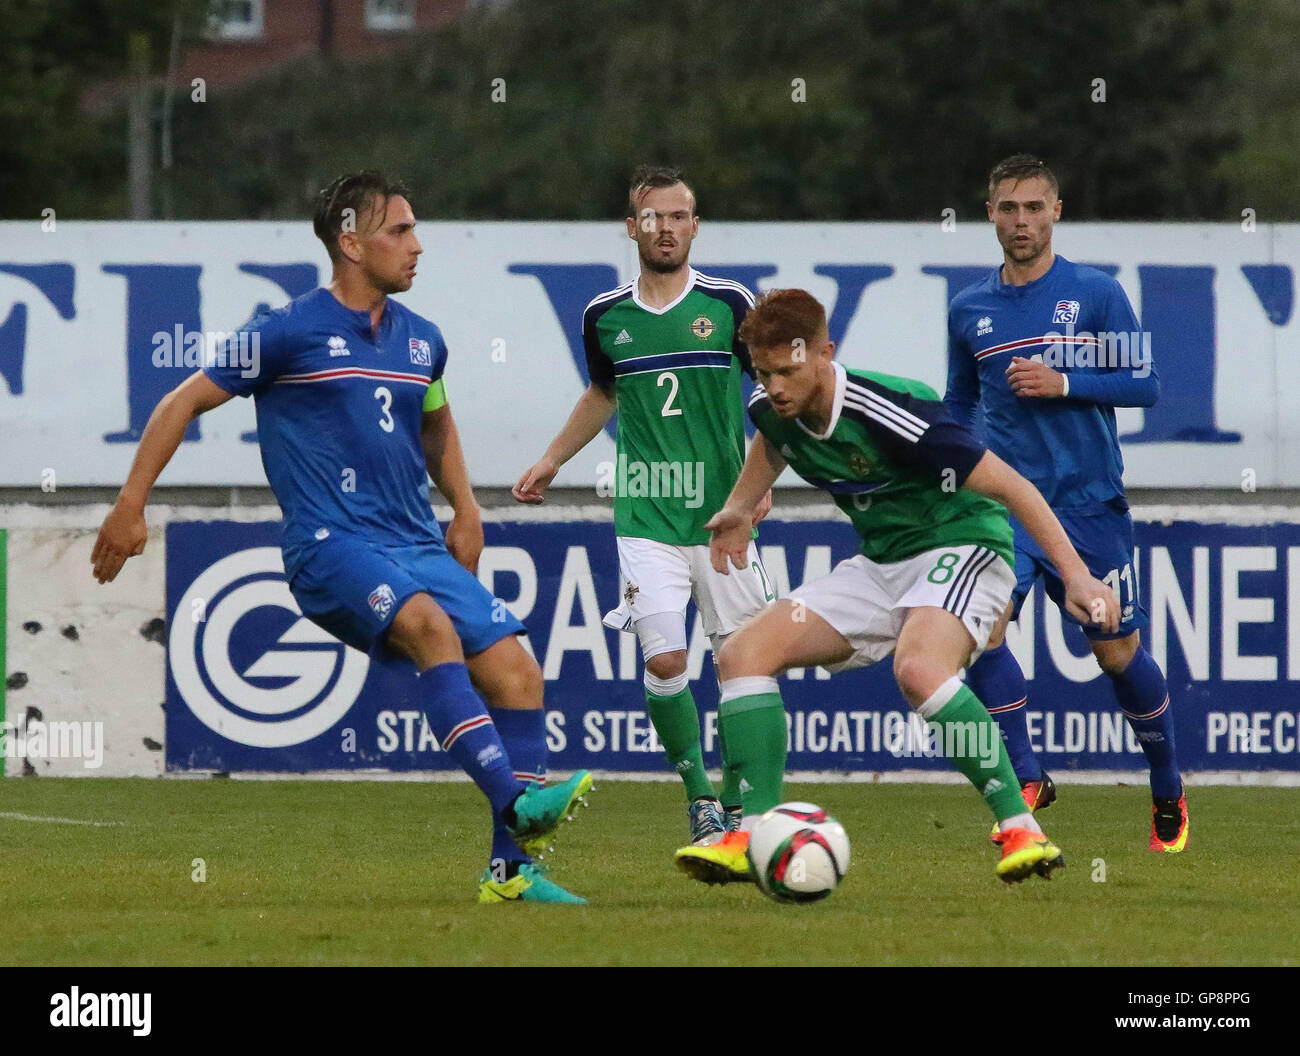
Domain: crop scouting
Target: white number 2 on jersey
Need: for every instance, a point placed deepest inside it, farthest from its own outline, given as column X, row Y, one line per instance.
column 386, row 399
column 669, row 410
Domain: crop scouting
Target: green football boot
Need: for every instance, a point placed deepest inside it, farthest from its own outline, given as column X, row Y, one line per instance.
column 528, row 885
column 539, row 812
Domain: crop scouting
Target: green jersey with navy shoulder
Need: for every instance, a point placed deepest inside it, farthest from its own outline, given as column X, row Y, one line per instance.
column 339, row 411
column 675, row 372
column 893, row 459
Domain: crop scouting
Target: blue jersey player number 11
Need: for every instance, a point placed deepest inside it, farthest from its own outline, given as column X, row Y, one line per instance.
column 1045, row 350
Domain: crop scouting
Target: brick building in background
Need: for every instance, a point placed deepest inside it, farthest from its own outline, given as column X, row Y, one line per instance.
column 241, row 40
column 246, row 38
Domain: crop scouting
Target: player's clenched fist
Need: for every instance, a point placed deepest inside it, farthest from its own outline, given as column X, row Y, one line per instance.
column 535, row 481
column 122, row 535
column 1028, row 377
column 1092, row 602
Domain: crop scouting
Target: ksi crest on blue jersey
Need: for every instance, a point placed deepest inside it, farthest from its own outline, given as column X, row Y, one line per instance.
column 381, row 600
column 1066, row 312
column 421, row 355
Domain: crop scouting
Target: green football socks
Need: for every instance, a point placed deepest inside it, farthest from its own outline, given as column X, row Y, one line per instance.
column 678, row 725
column 969, row 737
column 730, row 775
column 751, row 722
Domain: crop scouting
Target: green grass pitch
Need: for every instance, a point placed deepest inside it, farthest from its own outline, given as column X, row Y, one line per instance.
column 303, row 872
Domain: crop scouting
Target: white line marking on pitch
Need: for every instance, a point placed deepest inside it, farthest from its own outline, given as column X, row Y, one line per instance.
column 57, row 821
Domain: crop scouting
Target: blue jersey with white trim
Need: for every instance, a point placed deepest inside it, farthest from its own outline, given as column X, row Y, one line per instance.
column 339, row 411
column 1077, row 320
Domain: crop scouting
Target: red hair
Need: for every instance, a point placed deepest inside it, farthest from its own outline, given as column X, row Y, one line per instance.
column 781, row 317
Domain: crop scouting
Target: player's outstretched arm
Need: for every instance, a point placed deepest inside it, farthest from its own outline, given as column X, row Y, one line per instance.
column 445, row 459
column 589, row 416
column 1088, row 599
column 123, row 533
column 731, row 526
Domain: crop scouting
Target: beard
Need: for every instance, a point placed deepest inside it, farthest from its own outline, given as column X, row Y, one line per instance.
column 395, row 284
column 662, row 265
column 1031, row 250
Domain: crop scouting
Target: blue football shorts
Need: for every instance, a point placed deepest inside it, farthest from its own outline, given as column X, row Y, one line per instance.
column 1104, row 538
column 353, row 589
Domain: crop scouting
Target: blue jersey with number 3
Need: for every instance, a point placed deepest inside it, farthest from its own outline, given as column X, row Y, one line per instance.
column 339, row 409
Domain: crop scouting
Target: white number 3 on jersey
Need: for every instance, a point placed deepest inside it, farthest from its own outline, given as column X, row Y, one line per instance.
column 386, row 399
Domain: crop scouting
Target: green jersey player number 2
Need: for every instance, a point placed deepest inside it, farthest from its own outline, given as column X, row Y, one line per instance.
column 675, row 373
column 663, row 350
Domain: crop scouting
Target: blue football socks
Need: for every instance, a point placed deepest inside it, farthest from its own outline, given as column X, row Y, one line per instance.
column 1143, row 696
column 999, row 683
column 523, row 733
column 459, row 719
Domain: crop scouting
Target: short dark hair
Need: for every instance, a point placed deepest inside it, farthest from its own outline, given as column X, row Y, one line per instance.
column 1022, row 167
column 355, row 191
column 648, row 177
column 780, row 317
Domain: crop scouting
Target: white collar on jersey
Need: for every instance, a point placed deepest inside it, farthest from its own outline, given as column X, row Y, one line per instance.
column 837, row 405
column 636, row 294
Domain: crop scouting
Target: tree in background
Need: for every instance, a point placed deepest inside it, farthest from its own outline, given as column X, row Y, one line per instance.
column 54, row 152
column 1262, row 99
column 849, row 110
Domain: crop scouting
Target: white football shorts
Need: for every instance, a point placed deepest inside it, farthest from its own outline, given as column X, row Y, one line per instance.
column 868, row 602
column 661, row 578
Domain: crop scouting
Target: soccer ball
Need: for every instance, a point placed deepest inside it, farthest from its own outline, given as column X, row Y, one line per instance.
column 798, row 853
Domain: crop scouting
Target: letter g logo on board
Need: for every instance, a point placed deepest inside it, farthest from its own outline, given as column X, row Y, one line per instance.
column 226, row 701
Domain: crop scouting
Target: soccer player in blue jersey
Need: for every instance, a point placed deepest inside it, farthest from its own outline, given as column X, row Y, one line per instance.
column 352, row 413
column 1047, row 349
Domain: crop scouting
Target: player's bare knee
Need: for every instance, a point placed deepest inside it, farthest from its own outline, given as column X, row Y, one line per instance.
column 668, row 665
column 743, row 656
column 506, row 676
column 421, row 629
column 423, row 626
column 1115, row 655
column 729, row 657
column 528, row 685
column 918, row 677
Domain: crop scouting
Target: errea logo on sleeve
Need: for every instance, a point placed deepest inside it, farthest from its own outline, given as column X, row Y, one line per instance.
column 421, row 354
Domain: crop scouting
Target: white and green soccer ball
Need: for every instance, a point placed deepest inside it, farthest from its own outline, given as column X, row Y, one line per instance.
column 798, row 852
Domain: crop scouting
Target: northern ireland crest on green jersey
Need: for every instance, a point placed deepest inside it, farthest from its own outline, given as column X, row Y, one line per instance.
column 702, row 327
